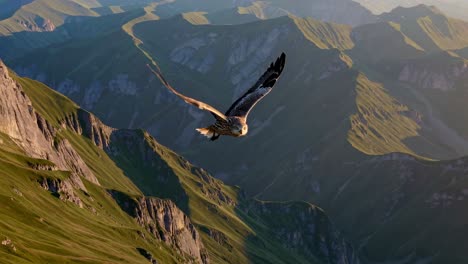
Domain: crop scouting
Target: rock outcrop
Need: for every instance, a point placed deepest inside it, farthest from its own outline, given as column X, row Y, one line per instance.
column 62, row 189
column 427, row 77
column 167, row 222
column 309, row 231
column 39, row 139
column 34, row 134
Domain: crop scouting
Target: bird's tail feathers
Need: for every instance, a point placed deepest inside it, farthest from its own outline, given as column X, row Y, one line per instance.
column 208, row 132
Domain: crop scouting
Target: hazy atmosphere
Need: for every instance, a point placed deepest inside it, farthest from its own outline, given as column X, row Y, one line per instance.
column 234, row 131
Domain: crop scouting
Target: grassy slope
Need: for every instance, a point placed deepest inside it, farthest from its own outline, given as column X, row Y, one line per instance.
column 151, row 34
column 55, row 231
column 109, row 229
column 44, row 229
column 189, row 186
column 380, row 126
column 196, row 18
column 430, row 28
column 297, row 187
column 325, row 35
column 55, row 10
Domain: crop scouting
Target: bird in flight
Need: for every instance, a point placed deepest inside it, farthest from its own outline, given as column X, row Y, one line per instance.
column 234, row 121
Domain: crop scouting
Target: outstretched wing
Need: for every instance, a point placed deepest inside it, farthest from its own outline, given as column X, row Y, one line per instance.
column 264, row 85
column 217, row 114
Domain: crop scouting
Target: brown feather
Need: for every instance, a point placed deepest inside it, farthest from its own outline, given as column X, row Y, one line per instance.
column 189, row 100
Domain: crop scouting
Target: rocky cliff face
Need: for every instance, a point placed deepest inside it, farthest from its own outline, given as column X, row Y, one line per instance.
column 39, row 139
column 34, row 134
column 166, row 221
column 309, row 232
column 427, row 77
column 301, row 231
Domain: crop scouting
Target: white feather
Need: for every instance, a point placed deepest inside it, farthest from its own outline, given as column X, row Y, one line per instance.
column 205, row 132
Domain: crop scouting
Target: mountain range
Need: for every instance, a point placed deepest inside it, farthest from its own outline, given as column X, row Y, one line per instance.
column 453, row 8
column 81, row 190
column 367, row 122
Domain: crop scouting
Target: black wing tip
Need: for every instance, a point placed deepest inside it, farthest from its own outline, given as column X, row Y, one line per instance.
column 283, row 56
column 278, row 66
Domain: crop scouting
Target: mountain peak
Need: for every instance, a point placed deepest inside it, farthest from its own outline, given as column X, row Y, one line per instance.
column 414, row 12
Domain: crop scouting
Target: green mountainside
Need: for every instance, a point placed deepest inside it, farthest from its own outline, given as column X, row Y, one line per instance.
column 356, row 124
column 429, row 27
column 75, row 190
column 31, row 24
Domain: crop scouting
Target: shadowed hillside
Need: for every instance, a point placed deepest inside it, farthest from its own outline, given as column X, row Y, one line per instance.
column 61, row 162
column 356, row 124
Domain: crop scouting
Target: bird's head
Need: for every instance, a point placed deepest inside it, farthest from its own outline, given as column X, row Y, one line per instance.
column 240, row 130
column 238, row 126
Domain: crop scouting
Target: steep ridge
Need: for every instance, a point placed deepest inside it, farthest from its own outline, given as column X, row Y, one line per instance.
column 374, row 198
column 337, row 11
column 20, row 43
column 39, row 23
column 40, row 15
column 246, row 13
column 453, row 8
column 429, row 27
column 113, row 219
column 418, row 73
column 317, row 39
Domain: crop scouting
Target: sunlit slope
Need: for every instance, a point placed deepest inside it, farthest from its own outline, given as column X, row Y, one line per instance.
column 20, row 43
column 204, row 56
column 42, row 15
column 43, row 213
column 114, row 175
column 337, row 11
column 429, row 27
column 307, row 139
column 453, row 8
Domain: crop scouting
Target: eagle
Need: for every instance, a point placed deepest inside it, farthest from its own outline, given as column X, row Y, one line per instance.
column 234, row 121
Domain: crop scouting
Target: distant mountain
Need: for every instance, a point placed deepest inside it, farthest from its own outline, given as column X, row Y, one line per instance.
column 356, row 124
column 453, row 8
column 68, row 179
column 28, row 25
column 245, row 14
column 340, row 114
column 338, row 11
column 429, row 27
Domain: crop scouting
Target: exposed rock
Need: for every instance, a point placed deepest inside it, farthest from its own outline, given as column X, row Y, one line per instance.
column 38, row 24
column 185, row 54
column 218, row 236
column 34, row 134
column 309, row 231
column 143, row 146
column 165, row 221
column 92, row 95
column 8, row 243
column 68, row 87
column 428, row 78
column 252, row 54
column 122, row 85
column 94, row 129
column 147, row 255
column 62, row 189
